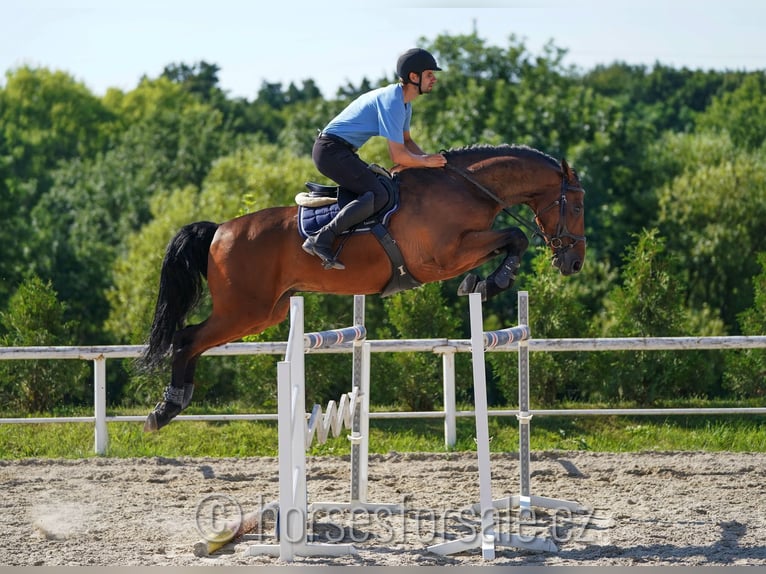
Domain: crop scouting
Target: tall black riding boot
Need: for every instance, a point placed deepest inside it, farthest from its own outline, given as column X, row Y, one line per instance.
column 353, row 213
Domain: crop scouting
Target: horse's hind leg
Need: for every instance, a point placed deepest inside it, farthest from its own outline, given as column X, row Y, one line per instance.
column 178, row 393
column 190, row 342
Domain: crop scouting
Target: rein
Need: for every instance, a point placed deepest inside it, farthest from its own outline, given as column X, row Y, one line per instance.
column 561, row 229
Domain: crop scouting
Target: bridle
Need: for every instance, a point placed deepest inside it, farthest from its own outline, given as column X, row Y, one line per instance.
column 561, row 227
column 562, row 231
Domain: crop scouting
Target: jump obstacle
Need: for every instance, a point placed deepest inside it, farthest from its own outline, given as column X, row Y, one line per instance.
column 297, row 432
column 488, row 539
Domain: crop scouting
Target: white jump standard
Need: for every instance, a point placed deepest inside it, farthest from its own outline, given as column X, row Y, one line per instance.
column 296, row 434
column 488, row 539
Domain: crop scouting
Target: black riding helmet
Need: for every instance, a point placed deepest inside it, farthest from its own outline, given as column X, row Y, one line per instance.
column 415, row 60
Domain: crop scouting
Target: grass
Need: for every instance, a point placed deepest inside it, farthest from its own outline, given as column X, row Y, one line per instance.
column 736, row 433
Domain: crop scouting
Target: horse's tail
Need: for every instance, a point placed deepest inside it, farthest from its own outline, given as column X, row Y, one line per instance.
column 183, row 268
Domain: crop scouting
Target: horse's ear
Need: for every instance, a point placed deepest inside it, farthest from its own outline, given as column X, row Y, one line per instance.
column 567, row 171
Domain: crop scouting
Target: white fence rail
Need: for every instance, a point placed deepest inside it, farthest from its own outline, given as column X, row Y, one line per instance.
column 446, row 347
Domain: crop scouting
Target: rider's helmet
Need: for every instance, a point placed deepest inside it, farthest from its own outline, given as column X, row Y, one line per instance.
column 415, row 60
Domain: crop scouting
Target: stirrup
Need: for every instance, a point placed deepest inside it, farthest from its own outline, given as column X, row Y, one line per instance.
column 328, row 262
column 332, row 264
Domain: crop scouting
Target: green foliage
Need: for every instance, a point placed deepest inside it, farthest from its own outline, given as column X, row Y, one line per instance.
column 556, row 310
column 649, row 303
column 78, row 226
column 414, row 380
column 740, row 113
column 712, row 213
column 746, row 369
column 35, row 318
column 46, row 118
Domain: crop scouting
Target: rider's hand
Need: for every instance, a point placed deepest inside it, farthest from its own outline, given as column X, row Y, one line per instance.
column 435, row 160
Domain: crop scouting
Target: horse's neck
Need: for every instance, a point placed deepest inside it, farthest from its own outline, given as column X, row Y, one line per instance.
column 507, row 179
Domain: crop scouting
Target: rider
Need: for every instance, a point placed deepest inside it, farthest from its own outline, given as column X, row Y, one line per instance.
column 383, row 112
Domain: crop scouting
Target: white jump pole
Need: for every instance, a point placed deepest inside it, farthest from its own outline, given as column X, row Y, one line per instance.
column 486, row 538
column 360, row 425
column 487, row 534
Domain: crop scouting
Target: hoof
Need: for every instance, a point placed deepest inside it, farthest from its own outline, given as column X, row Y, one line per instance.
column 150, row 424
column 481, row 287
column 468, row 285
column 162, row 414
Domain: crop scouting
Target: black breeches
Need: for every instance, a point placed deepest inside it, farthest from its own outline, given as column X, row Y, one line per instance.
column 342, row 165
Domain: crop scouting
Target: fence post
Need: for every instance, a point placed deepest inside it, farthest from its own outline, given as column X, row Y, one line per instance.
column 99, row 404
column 448, row 374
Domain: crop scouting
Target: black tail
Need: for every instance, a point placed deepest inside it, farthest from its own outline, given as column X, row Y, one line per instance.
column 183, row 268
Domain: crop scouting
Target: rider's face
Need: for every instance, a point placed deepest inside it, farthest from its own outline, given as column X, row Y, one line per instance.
column 427, row 81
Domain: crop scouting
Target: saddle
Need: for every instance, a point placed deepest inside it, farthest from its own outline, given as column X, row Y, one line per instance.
column 322, row 202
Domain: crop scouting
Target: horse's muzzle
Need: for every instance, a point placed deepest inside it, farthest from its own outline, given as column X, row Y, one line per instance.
column 567, row 262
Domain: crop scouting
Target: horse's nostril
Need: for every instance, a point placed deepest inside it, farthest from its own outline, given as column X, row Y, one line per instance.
column 576, row 266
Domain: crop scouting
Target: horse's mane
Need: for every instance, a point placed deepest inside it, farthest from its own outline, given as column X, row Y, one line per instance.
column 485, row 150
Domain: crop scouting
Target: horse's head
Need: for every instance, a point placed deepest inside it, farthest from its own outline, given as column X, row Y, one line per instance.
column 508, row 175
column 562, row 223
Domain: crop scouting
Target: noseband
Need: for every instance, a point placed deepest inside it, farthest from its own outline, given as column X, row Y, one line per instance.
column 562, row 231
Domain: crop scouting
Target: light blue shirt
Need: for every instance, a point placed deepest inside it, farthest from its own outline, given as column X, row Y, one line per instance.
column 380, row 112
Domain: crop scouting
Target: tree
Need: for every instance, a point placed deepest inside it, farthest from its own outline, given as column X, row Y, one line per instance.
column 79, row 226
column 46, row 118
column 712, row 213
column 741, row 113
column 650, row 303
column 35, row 317
column 617, row 169
column 200, row 79
column 303, row 123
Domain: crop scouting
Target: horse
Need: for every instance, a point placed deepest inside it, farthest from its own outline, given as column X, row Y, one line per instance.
column 253, row 264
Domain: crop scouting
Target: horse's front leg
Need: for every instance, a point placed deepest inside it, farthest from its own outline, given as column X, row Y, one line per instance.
column 502, row 278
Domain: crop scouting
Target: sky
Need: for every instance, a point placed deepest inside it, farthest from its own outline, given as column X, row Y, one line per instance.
column 114, row 43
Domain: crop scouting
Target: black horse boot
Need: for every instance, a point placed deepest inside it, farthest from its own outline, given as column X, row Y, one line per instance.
column 353, row 213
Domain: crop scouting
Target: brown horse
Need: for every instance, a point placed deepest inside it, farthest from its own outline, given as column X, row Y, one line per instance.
column 254, row 263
